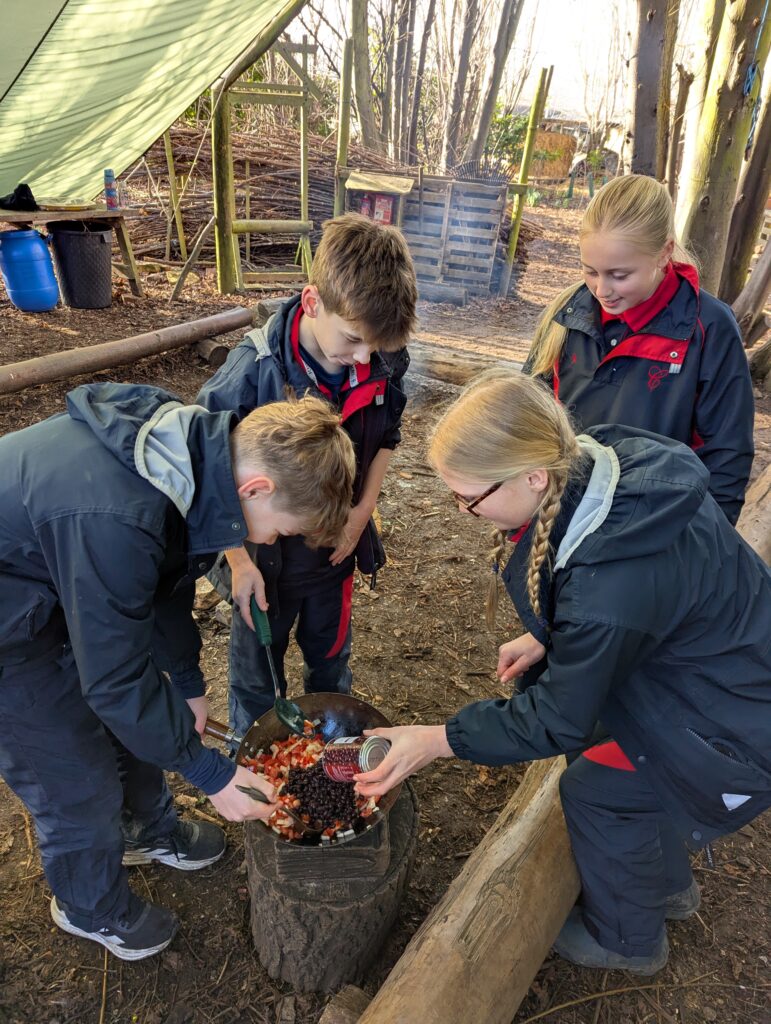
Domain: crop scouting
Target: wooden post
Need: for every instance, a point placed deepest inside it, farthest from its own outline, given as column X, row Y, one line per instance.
column 247, row 210
column 174, row 194
column 222, row 174
column 343, row 123
column 536, row 111
column 305, row 243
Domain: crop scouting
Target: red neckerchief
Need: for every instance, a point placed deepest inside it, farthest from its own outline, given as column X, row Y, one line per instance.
column 638, row 316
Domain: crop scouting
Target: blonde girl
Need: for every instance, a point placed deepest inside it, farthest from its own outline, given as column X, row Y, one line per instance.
column 658, row 616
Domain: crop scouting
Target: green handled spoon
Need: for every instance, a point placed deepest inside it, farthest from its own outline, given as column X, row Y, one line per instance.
column 287, row 712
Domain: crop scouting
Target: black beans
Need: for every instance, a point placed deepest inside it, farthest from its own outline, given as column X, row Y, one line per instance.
column 322, row 799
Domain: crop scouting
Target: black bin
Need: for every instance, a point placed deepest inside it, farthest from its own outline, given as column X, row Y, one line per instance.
column 82, row 250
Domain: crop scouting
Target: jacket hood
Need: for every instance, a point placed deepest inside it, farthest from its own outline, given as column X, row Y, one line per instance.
column 182, row 450
column 642, row 493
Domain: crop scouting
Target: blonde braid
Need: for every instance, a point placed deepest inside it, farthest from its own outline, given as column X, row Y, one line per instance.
column 539, row 549
column 496, row 556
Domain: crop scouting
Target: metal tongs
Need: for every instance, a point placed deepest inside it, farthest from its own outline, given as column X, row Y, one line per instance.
column 259, row 796
column 287, row 712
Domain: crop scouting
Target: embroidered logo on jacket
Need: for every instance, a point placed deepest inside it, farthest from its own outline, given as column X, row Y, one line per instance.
column 655, row 377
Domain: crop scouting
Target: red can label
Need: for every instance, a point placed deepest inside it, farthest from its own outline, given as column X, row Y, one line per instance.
column 348, row 755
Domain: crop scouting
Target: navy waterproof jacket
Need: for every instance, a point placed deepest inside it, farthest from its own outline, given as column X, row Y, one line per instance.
column 683, row 374
column 660, row 620
column 259, row 370
column 108, row 513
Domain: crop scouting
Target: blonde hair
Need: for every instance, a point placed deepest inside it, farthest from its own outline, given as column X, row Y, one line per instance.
column 636, row 206
column 363, row 272
column 503, row 425
column 302, row 446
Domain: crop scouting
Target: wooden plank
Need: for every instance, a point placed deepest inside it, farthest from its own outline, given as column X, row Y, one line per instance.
column 433, row 292
column 284, row 99
column 269, row 87
column 474, row 250
column 263, row 276
column 46, row 216
column 272, row 227
column 482, row 234
column 124, row 244
column 461, row 260
column 282, row 48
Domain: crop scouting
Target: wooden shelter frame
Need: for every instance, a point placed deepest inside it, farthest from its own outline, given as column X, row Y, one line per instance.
column 227, row 227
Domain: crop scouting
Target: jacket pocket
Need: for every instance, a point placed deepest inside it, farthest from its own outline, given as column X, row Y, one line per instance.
column 719, row 780
column 370, row 553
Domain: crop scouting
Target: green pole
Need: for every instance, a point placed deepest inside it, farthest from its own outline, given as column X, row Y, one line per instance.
column 222, row 174
column 305, row 244
column 536, row 112
column 343, row 123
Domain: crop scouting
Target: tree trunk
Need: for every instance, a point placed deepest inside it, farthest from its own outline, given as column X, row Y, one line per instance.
column 648, row 87
column 712, row 18
column 685, row 78
column 664, row 108
column 455, row 118
column 708, row 185
column 507, row 30
column 412, row 140
column 406, row 83
column 750, row 206
column 362, row 76
column 400, row 52
column 749, row 305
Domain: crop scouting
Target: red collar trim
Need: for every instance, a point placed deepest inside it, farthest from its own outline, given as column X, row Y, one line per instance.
column 357, row 374
column 638, row 316
column 517, row 535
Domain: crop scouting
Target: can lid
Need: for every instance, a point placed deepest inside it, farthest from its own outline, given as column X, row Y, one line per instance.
column 373, row 752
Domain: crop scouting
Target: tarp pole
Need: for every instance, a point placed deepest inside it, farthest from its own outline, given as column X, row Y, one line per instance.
column 222, row 179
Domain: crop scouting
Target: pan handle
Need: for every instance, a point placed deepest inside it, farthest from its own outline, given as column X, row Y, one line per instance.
column 221, row 732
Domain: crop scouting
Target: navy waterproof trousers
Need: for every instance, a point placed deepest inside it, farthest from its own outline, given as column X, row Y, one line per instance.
column 84, row 790
column 629, row 856
column 323, row 634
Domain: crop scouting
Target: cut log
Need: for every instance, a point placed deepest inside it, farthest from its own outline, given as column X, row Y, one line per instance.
column 346, row 1007
column 452, row 366
column 214, row 352
column 75, row 361
column 319, row 934
column 755, row 521
column 476, row 955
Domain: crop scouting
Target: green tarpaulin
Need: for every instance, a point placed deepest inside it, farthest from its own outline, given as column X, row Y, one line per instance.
column 89, row 84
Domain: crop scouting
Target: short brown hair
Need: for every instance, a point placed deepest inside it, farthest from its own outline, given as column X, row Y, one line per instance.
column 302, row 446
column 363, row 272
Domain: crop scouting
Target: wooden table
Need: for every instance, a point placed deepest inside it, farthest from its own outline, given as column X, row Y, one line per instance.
column 117, row 223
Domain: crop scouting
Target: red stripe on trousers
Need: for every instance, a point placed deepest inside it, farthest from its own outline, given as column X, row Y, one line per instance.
column 345, row 617
column 611, row 755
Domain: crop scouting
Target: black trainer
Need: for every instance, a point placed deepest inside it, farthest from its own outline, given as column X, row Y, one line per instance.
column 577, row 944
column 142, row 931
column 190, row 846
column 682, row 905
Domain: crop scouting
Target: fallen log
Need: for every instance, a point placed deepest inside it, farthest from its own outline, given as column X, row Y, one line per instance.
column 450, row 365
column 75, row 361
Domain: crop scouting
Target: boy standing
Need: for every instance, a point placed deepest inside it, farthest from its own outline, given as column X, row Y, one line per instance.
column 342, row 338
column 107, row 515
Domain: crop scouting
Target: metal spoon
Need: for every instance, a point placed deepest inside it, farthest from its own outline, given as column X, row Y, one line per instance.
column 287, row 712
column 259, row 796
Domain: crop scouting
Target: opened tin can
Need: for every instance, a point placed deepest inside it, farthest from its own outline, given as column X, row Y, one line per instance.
column 348, row 755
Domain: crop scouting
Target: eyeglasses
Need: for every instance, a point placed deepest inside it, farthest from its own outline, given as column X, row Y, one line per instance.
column 470, row 505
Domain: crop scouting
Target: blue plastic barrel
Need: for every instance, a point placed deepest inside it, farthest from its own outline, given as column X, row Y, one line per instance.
column 27, row 270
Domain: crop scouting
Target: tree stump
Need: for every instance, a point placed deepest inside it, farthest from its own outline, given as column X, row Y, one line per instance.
column 321, row 933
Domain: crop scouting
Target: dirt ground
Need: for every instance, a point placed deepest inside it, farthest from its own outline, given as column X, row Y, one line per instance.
column 420, row 651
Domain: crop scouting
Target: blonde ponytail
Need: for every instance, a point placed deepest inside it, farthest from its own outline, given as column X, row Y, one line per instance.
column 549, row 335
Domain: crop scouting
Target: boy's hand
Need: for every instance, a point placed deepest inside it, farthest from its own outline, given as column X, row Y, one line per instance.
column 246, row 580
column 200, row 708
column 412, row 748
column 235, row 806
column 517, row 656
column 353, row 529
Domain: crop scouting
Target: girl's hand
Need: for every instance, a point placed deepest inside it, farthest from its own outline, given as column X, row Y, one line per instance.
column 517, row 656
column 353, row 529
column 412, row 748
column 200, row 708
column 235, row 806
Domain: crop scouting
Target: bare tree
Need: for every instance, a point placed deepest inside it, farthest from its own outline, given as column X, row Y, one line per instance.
column 602, row 85
column 362, row 76
column 451, row 146
column 412, row 137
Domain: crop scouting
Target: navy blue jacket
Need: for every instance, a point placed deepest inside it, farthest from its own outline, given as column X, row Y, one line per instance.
column 259, row 370
column 683, row 374
column 660, row 621
column 106, row 519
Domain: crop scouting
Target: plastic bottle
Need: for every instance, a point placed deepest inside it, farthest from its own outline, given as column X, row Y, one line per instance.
column 110, row 189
